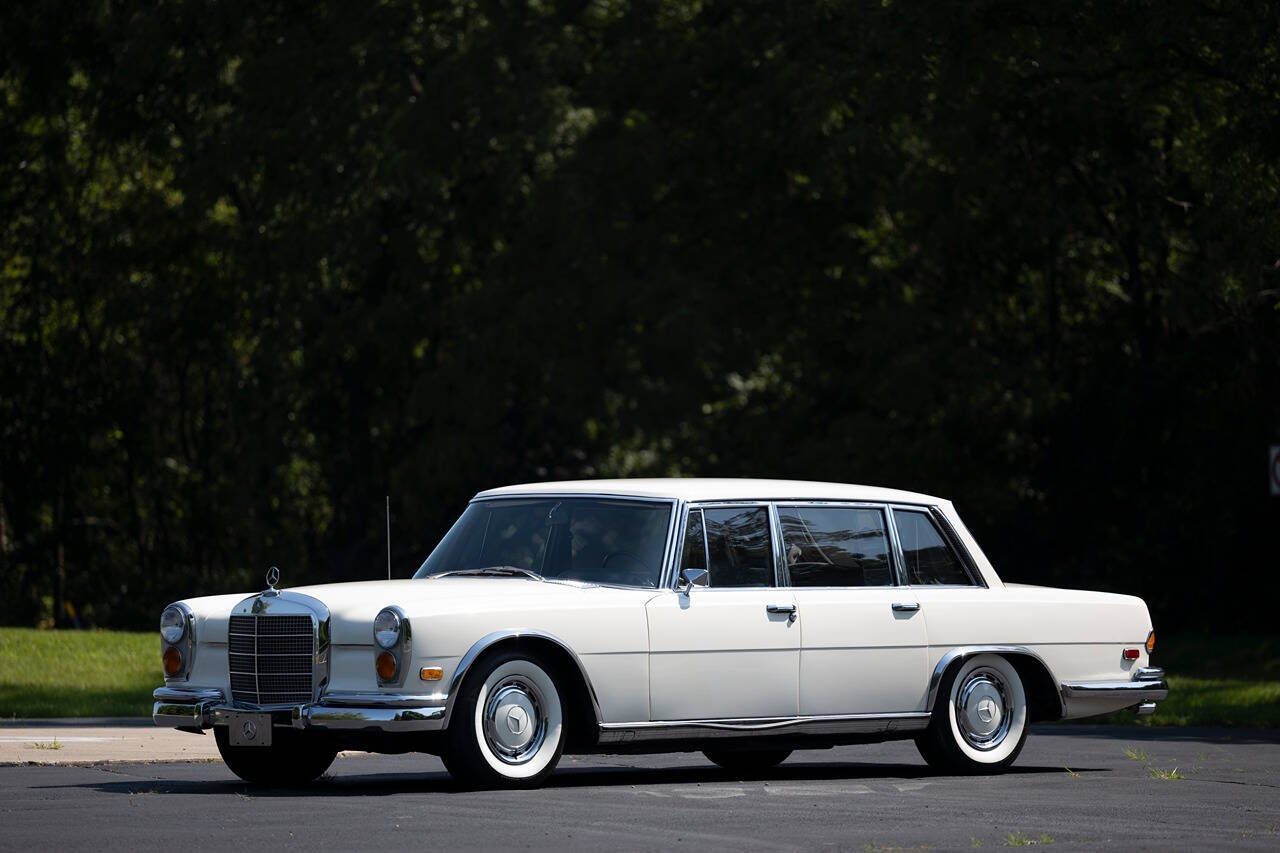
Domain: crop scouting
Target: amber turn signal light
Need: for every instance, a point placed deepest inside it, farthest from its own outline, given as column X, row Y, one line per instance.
column 386, row 666
column 1151, row 642
column 172, row 662
column 431, row 673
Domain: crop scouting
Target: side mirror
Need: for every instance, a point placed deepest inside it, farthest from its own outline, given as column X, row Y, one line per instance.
column 689, row 578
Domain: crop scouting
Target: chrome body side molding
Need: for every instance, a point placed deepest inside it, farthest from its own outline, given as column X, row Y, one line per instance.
column 484, row 643
column 832, row 724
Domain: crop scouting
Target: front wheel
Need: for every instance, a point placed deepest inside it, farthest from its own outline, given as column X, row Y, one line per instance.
column 747, row 760
column 507, row 729
column 290, row 760
column 979, row 721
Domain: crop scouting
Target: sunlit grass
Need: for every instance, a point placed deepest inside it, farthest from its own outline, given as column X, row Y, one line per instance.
column 1197, row 701
column 1215, row 681
column 1020, row 839
column 1165, row 775
column 77, row 673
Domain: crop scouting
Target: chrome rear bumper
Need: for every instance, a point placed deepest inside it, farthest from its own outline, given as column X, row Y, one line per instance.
column 197, row 709
column 1141, row 692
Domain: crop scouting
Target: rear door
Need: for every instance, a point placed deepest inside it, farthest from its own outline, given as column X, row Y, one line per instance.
column 865, row 646
column 730, row 650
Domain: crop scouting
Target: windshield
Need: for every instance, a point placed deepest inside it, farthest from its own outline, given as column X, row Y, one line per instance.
column 582, row 539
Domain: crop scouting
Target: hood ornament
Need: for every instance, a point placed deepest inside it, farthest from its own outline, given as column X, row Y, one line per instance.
column 273, row 578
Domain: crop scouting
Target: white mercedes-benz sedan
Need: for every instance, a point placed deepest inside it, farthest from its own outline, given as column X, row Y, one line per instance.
column 740, row 618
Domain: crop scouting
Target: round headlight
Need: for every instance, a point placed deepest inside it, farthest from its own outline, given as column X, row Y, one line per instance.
column 173, row 624
column 386, row 629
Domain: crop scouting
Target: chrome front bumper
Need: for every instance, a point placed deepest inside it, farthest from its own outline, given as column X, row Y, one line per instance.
column 196, row 709
column 1147, row 687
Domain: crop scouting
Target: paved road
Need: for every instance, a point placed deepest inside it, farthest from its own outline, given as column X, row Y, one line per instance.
column 862, row 798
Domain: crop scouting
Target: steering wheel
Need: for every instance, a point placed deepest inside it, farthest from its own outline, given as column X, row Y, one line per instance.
column 631, row 562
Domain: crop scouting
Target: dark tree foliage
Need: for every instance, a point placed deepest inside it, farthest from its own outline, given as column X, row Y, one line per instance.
column 264, row 263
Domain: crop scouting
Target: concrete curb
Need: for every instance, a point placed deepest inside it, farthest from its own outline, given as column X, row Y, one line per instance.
column 88, row 742
column 75, row 722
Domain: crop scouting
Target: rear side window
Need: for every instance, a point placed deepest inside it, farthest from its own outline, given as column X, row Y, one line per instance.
column 926, row 556
column 739, row 546
column 835, row 546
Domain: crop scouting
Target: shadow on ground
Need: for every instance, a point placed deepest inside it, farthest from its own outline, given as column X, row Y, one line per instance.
column 1158, row 733
column 356, row 784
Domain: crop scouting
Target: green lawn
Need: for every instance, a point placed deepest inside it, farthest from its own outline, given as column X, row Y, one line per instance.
column 77, row 673
column 1216, row 681
column 1213, row 681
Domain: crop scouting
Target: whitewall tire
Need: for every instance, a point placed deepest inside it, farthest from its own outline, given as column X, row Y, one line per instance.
column 979, row 722
column 507, row 728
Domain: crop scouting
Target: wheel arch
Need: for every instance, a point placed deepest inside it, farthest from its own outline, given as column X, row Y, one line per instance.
column 581, row 707
column 1044, row 698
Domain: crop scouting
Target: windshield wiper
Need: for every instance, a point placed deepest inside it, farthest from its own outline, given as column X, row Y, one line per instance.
column 493, row 571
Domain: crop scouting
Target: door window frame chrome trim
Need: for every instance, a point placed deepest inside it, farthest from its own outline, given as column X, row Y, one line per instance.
column 782, row 575
column 700, row 506
column 933, row 513
column 895, row 564
column 686, row 512
column 950, row 533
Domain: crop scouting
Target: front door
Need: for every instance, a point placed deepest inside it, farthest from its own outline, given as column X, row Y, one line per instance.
column 729, row 650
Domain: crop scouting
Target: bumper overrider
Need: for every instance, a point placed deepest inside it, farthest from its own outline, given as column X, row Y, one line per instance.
column 197, row 709
column 1147, row 687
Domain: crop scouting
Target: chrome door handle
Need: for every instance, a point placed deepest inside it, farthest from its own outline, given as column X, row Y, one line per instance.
column 908, row 607
column 789, row 609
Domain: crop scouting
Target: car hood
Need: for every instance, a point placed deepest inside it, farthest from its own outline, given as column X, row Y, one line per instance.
column 353, row 605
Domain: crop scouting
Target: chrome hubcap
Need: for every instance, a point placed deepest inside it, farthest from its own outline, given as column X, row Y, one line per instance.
column 982, row 709
column 514, row 724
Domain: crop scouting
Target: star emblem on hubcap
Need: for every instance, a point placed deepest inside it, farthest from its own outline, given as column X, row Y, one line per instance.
column 517, row 720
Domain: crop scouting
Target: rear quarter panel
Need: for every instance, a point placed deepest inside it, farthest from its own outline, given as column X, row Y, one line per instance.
column 1080, row 635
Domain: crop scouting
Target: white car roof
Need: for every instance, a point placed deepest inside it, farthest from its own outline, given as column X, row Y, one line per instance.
column 701, row 489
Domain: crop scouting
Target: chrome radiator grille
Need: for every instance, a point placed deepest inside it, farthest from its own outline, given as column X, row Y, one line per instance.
column 271, row 659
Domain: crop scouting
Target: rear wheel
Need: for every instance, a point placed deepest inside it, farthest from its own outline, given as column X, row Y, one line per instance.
column 507, row 728
column 747, row 760
column 979, row 721
column 290, row 760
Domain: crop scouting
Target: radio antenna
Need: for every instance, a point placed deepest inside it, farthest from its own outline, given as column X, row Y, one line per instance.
column 388, row 537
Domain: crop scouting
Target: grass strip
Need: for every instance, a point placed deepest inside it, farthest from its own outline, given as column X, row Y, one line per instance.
column 77, row 673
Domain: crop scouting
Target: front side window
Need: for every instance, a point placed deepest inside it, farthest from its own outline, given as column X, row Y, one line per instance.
column 835, row 546
column 582, row 539
column 694, row 554
column 927, row 557
column 739, row 546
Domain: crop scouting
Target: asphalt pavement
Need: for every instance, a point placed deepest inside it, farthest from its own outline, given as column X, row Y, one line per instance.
column 1074, row 787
